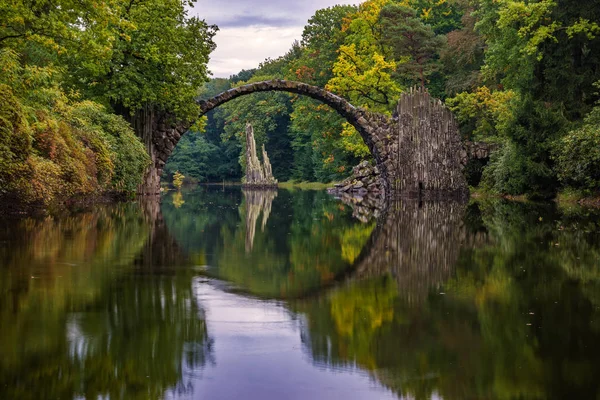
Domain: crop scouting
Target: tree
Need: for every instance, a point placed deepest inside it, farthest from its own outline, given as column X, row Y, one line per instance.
column 315, row 128
column 463, row 57
column 545, row 54
column 363, row 71
column 159, row 58
column 321, row 39
column 72, row 66
column 444, row 16
column 364, row 68
column 412, row 41
column 178, row 180
column 578, row 155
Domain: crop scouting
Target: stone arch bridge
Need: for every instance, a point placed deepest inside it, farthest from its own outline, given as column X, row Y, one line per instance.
column 418, row 150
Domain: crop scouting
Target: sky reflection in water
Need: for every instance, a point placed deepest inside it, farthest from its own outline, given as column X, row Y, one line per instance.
column 221, row 294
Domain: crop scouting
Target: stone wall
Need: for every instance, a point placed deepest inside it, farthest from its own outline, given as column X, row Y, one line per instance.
column 427, row 147
column 476, row 150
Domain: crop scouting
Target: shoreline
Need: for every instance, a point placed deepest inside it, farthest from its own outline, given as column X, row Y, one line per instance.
column 11, row 207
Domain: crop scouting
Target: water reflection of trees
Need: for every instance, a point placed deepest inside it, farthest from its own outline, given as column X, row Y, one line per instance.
column 306, row 242
column 49, row 266
column 498, row 300
column 518, row 317
column 78, row 321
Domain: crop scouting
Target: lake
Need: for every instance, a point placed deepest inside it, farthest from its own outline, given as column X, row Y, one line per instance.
column 219, row 293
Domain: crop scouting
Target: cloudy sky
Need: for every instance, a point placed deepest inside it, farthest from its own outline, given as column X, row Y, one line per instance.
column 252, row 30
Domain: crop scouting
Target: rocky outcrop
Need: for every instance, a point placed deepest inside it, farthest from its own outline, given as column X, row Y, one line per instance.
column 257, row 174
column 365, row 178
column 267, row 169
column 363, row 191
column 476, row 150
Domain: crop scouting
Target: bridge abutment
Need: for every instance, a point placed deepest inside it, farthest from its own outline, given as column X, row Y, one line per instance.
column 160, row 132
column 425, row 150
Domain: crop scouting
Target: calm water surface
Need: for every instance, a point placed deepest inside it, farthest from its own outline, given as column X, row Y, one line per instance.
column 222, row 294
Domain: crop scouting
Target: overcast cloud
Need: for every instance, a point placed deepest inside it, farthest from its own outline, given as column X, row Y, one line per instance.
column 252, row 30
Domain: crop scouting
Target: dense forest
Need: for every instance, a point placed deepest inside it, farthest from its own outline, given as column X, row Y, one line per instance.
column 522, row 75
column 73, row 75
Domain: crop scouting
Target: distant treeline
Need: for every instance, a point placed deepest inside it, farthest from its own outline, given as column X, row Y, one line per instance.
column 523, row 75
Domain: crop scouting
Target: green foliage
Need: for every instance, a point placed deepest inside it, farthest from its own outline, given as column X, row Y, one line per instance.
column 54, row 146
column 123, row 150
column 205, row 156
column 321, row 39
column 324, row 147
column 413, row 42
column 364, row 67
column 178, row 180
column 578, row 155
column 506, row 172
column 442, row 15
column 158, row 58
column 67, row 66
column 483, row 114
column 319, row 148
column 462, row 57
column 15, row 141
column 539, row 67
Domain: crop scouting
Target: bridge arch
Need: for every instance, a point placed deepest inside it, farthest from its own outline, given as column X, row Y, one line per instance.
column 366, row 123
column 166, row 133
column 358, row 117
column 417, row 152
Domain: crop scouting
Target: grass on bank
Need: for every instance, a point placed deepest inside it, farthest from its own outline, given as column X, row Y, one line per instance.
column 585, row 198
column 292, row 185
column 288, row 185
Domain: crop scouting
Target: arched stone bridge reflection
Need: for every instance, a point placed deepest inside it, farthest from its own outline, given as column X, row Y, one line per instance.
column 416, row 243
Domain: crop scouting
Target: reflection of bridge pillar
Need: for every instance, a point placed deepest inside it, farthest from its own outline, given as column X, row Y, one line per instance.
column 161, row 249
column 417, row 243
